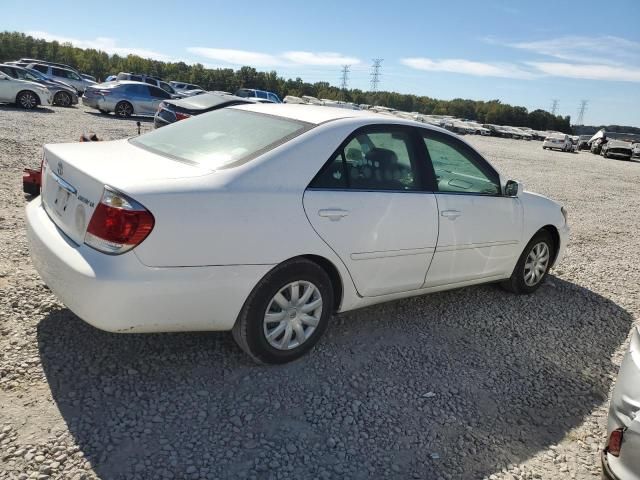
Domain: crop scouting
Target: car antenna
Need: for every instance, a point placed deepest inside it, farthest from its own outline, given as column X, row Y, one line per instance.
column 138, row 125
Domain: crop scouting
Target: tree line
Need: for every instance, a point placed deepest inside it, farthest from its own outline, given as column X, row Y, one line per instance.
column 15, row 45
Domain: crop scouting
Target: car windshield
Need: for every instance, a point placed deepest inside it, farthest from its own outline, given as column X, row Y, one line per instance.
column 221, row 139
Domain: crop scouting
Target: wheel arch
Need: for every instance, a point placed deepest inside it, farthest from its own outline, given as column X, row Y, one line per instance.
column 555, row 236
column 334, row 276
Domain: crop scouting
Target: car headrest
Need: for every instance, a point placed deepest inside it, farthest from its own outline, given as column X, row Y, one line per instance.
column 384, row 157
column 354, row 154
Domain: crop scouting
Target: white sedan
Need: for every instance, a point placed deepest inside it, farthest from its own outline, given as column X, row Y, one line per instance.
column 267, row 219
column 23, row 93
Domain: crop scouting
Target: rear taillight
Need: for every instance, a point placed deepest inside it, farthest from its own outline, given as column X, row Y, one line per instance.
column 118, row 224
column 615, row 442
column 181, row 116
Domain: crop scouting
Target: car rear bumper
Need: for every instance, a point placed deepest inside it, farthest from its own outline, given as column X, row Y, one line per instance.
column 607, row 473
column 624, row 413
column 93, row 102
column 120, row 294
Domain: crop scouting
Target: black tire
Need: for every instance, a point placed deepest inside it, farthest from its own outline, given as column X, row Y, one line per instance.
column 517, row 283
column 124, row 109
column 63, row 99
column 249, row 330
column 27, row 100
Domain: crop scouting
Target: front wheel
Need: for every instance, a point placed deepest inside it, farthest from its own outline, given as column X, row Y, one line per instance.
column 27, row 100
column 286, row 313
column 533, row 265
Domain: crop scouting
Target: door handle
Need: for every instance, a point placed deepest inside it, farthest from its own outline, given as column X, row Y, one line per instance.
column 333, row 214
column 451, row 214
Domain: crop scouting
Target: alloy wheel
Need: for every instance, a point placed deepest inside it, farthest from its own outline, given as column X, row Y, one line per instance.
column 28, row 100
column 123, row 110
column 536, row 264
column 63, row 99
column 292, row 315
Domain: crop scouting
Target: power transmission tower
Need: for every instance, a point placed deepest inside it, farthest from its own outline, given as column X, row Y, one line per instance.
column 345, row 77
column 375, row 73
column 554, row 107
column 583, row 108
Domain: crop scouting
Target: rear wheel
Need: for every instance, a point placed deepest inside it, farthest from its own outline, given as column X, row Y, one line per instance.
column 286, row 313
column 62, row 99
column 124, row 109
column 533, row 264
column 27, row 100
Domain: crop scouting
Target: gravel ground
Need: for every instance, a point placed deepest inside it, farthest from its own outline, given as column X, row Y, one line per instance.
column 473, row 383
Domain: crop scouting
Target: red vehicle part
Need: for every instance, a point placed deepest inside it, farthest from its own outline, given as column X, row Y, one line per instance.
column 31, row 181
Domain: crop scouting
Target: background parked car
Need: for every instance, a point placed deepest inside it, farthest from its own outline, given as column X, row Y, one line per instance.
column 597, row 144
column 250, row 92
column 498, row 131
column 620, row 459
column 64, row 75
column 187, row 89
column 88, row 77
column 155, row 81
column 583, row 142
column 636, row 149
column 171, row 111
column 617, row 148
column 125, row 98
column 62, row 94
column 23, row 93
column 558, row 142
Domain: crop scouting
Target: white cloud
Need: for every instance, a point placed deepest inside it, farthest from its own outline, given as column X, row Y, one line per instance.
column 602, row 49
column 236, row 57
column 107, row 44
column 588, row 71
column 468, row 67
column 259, row 59
column 321, row 58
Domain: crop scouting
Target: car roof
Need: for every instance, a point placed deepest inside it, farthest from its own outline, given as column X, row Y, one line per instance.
column 314, row 114
column 207, row 100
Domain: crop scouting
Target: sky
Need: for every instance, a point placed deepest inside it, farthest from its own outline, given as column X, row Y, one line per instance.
column 521, row 52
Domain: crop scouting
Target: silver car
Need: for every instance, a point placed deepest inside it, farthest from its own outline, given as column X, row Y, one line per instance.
column 125, row 98
column 62, row 74
column 620, row 458
column 62, row 94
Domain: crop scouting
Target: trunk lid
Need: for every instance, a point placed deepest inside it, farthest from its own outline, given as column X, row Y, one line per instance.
column 75, row 174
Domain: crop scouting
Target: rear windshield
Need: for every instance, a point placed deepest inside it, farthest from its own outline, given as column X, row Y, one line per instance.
column 222, row 138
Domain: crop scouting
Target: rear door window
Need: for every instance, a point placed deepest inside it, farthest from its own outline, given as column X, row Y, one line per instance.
column 158, row 92
column 41, row 68
column 379, row 158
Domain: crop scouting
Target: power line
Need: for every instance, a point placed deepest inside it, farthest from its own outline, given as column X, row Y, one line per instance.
column 345, row 77
column 375, row 73
column 554, row 106
column 581, row 110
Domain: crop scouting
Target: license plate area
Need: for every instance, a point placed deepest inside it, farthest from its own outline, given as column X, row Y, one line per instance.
column 61, row 201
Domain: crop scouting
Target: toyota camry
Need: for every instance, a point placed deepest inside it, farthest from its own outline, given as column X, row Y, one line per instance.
column 267, row 219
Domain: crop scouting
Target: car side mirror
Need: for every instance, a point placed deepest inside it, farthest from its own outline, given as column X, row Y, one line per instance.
column 513, row 188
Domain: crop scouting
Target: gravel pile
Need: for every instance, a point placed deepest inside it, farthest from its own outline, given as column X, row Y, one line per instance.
column 474, row 383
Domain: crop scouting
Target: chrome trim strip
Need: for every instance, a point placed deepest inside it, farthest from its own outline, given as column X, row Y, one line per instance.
column 469, row 246
column 64, row 184
column 392, row 253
